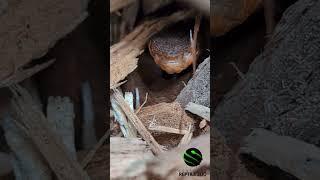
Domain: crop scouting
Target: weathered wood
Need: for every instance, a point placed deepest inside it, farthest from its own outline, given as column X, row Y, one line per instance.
column 199, row 110
column 60, row 116
column 291, row 155
column 127, row 157
column 280, row 90
column 30, row 28
column 133, row 118
column 27, row 162
column 32, row 121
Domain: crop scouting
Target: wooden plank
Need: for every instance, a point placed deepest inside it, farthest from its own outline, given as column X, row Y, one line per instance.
column 291, row 155
column 127, row 157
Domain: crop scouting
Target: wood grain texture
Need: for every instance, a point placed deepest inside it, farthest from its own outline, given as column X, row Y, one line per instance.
column 30, row 28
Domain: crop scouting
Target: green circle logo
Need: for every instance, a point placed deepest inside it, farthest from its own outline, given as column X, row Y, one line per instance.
column 192, row 157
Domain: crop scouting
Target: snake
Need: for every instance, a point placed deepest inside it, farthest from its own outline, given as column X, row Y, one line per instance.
column 171, row 49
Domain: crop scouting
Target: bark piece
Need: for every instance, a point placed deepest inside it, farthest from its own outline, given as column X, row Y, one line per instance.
column 280, row 90
column 33, row 122
column 123, row 55
column 30, row 28
column 291, row 155
column 127, row 157
column 198, row 88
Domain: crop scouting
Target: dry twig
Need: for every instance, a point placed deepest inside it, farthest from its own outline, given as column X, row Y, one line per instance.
column 238, row 70
column 194, row 42
column 140, row 107
column 166, row 129
column 187, row 137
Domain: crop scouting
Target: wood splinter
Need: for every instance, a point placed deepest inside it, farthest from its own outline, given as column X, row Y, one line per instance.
column 194, row 51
